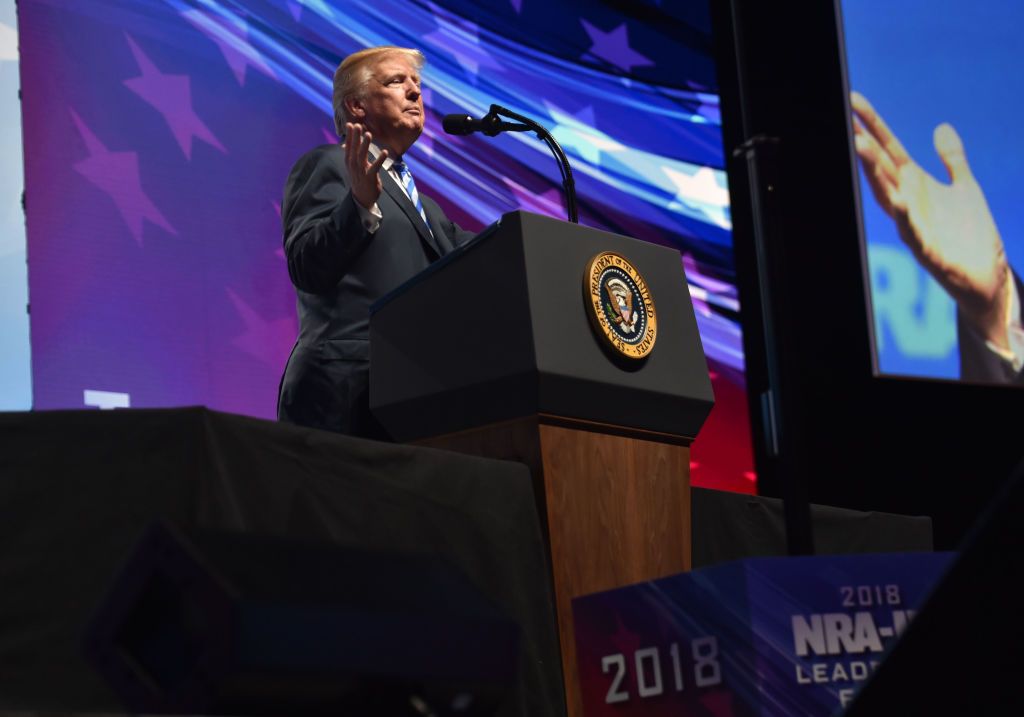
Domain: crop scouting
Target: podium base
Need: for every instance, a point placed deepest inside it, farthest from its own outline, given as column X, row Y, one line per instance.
column 615, row 505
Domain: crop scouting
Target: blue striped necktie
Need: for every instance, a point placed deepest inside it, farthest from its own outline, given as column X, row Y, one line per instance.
column 410, row 189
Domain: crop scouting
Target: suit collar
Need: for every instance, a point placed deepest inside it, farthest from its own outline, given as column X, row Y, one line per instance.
column 434, row 238
column 400, row 198
column 388, row 162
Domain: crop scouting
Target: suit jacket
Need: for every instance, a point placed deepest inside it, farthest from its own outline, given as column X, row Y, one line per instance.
column 978, row 363
column 339, row 270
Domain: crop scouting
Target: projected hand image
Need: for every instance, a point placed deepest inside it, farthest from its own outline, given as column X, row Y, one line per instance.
column 948, row 227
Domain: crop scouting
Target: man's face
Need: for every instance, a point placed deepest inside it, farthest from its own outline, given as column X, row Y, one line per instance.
column 392, row 103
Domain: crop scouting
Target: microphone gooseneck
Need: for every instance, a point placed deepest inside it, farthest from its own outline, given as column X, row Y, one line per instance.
column 568, row 184
column 491, row 125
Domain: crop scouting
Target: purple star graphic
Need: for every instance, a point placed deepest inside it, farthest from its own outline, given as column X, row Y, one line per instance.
column 614, row 47
column 232, row 39
column 517, row 5
column 295, row 9
column 268, row 341
column 171, row 96
column 548, row 203
column 117, row 174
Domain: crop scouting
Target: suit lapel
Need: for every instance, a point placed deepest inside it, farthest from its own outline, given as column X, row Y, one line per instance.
column 400, row 198
column 436, row 219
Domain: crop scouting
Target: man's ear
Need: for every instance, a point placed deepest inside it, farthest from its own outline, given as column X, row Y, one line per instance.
column 355, row 109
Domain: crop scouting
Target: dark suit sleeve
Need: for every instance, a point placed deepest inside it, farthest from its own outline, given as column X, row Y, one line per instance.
column 459, row 235
column 978, row 363
column 323, row 231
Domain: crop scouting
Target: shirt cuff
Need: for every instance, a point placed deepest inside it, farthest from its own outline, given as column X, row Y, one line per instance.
column 370, row 218
column 1014, row 332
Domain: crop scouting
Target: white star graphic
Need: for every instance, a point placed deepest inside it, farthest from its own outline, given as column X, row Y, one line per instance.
column 578, row 132
column 703, row 190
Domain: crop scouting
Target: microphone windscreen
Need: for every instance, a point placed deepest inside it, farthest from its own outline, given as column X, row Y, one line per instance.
column 458, row 124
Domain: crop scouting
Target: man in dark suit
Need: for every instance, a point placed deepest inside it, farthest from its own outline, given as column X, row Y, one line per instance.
column 355, row 227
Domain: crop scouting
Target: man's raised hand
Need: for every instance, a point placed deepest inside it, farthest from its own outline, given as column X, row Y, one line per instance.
column 948, row 227
column 364, row 179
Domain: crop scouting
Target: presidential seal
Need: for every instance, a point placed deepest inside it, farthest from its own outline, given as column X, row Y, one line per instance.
column 620, row 305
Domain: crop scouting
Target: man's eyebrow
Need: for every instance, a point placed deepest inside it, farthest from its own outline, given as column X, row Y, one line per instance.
column 401, row 76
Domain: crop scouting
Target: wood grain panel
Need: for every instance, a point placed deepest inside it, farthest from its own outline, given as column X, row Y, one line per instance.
column 618, row 513
column 615, row 508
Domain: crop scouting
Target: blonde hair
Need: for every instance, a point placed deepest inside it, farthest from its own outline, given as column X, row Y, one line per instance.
column 354, row 72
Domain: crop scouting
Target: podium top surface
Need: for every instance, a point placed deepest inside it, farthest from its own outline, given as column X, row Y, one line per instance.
column 499, row 329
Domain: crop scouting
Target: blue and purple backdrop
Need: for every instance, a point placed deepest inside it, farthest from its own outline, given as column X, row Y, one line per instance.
column 158, row 135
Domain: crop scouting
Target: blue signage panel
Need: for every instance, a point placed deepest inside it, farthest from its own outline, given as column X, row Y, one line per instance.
column 766, row 636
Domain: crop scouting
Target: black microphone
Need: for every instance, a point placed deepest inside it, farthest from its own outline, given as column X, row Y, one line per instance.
column 489, row 124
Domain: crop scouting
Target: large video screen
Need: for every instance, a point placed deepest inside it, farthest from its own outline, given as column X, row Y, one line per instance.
column 159, row 134
column 936, row 97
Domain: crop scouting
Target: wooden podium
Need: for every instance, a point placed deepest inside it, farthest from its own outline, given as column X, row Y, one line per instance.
column 491, row 352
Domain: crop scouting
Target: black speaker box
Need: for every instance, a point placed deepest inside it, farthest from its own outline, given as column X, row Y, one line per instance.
column 224, row 624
